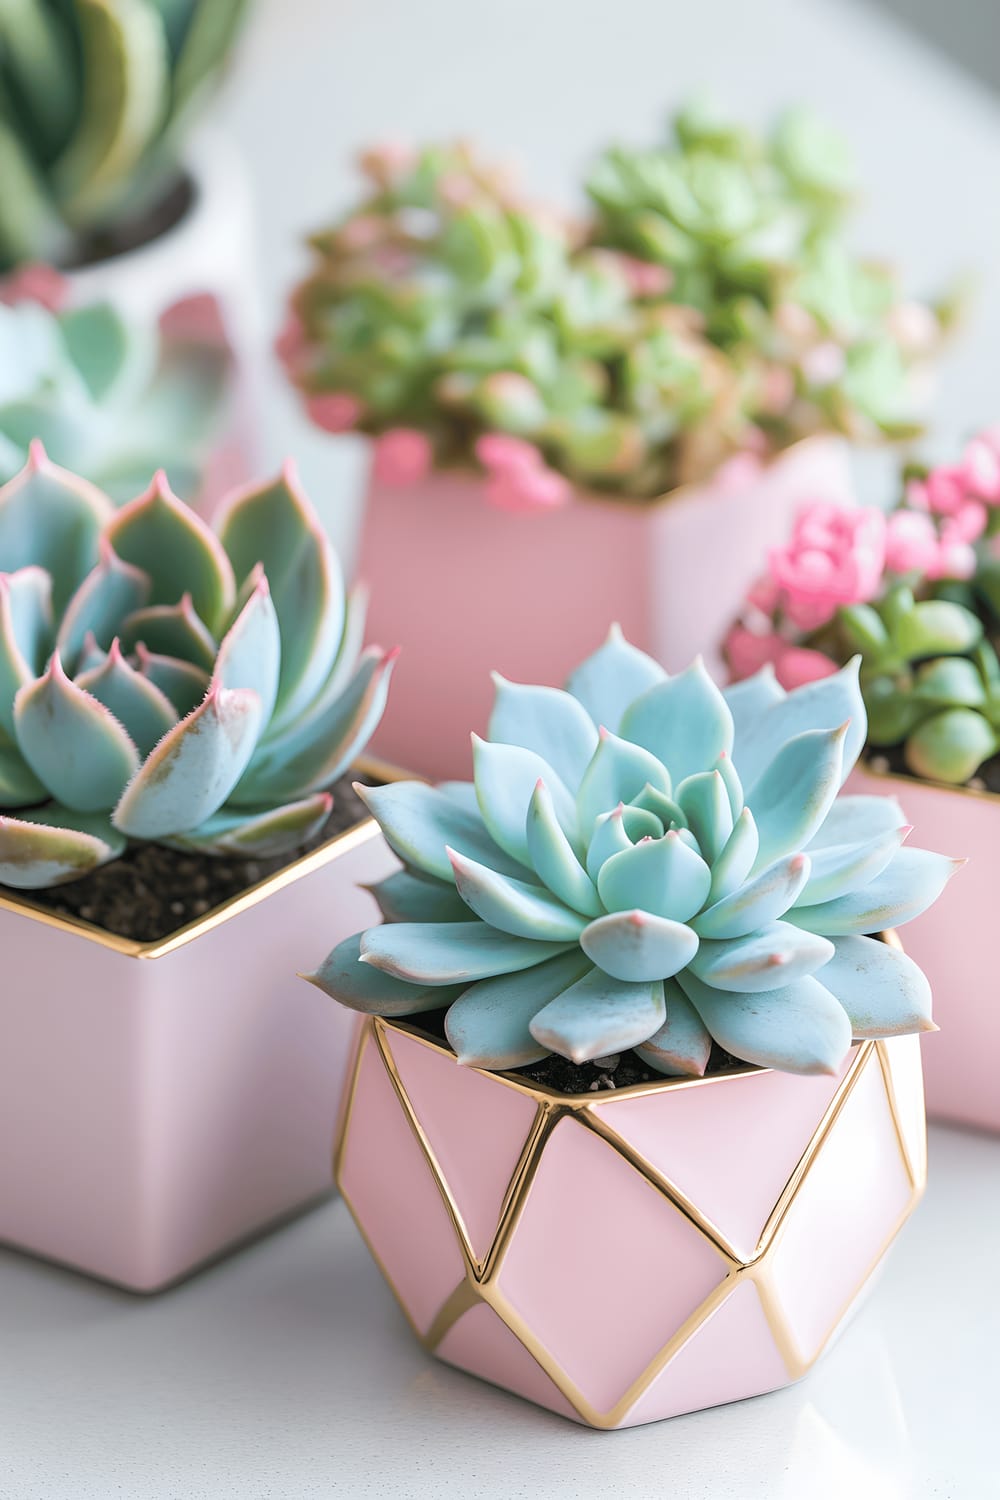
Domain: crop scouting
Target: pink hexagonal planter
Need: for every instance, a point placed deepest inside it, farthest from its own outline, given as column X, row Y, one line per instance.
column 466, row 588
column 162, row 1102
column 952, row 944
column 623, row 1257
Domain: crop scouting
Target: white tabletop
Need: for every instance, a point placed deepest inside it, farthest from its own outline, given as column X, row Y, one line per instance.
column 286, row 1372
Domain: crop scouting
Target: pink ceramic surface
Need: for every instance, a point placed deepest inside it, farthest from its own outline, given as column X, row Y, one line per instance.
column 156, row 1110
column 952, row 943
column 466, row 588
column 677, row 1246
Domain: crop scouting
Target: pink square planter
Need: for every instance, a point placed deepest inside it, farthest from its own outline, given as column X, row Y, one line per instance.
column 624, row 1257
column 466, row 588
column 952, row 944
column 160, row 1103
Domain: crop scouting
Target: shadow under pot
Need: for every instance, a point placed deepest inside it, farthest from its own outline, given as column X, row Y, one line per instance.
column 161, row 1102
column 621, row 1257
column 951, row 943
column 527, row 587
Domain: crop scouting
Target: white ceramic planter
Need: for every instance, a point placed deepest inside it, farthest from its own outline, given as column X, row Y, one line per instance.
column 161, row 1102
column 623, row 1257
column 209, row 252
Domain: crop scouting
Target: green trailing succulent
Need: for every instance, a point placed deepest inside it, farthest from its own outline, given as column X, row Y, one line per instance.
column 447, row 304
column 111, row 399
column 163, row 681
column 94, row 96
column 931, row 682
column 751, row 231
column 643, row 861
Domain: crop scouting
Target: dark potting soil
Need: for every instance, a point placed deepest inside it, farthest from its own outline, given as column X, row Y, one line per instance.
column 986, row 779
column 565, row 1077
column 132, row 234
column 151, row 892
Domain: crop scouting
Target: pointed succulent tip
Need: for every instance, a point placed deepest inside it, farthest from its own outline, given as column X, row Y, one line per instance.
column 115, row 652
column 615, row 632
column 775, row 960
column 392, row 655
column 361, row 790
column 37, row 456
column 602, row 731
column 637, row 918
column 290, row 473
column 797, row 864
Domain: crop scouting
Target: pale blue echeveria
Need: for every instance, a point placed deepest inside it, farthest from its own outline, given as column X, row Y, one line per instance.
column 165, row 681
column 646, row 861
column 113, row 399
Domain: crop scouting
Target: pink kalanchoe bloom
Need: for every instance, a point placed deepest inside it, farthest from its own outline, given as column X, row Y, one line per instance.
column 403, row 455
column 500, row 453
column 943, row 491
column 836, row 556
column 968, row 523
column 797, row 665
column 981, row 466
column 911, row 542
column 747, row 651
column 764, row 595
column 36, row 282
column 336, row 411
column 527, row 489
column 955, row 559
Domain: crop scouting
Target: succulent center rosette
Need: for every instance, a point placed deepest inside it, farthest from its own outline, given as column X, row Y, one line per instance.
column 645, row 861
column 161, row 680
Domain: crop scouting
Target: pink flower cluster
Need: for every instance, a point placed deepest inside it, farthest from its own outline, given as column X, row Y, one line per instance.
column 517, row 476
column 840, row 556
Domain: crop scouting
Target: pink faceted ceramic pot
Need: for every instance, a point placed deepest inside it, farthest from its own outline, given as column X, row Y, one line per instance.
column 161, row 1102
column 952, row 945
column 623, row 1257
column 466, row 588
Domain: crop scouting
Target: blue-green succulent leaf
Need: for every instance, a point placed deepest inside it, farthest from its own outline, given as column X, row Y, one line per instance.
column 489, row 1026
column 51, row 519
column 792, row 797
column 661, row 876
column 840, row 868
column 53, row 846
column 826, row 704
column 25, row 634
column 185, row 685
column 421, row 823
column 909, row 884
column 737, row 858
column 669, row 811
column 772, row 956
column 636, row 946
column 882, row 990
column 72, row 743
column 548, row 721
column 617, row 831
column 506, row 777
column 19, row 786
column 682, row 1047
column 757, row 902
column 554, row 859
column 263, row 835
column 160, row 535
column 175, row 630
column 800, row 1028
column 450, row 952
column 405, row 897
column 685, row 722
column 111, row 591
column 705, row 800
column 514, row 906
column 599, row 1016
column 607, row 682
column 250, row 653
column 853, row 820
column 748, row 702
column 344, row 977
column 193, row 769
column 138, row 704
column 618, row 771
column 734, row 786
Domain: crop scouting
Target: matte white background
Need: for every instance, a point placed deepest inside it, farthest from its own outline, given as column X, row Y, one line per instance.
column 287, row 1373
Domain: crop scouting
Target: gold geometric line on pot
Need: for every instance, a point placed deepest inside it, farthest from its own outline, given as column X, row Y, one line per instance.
column 360, row 833
column 361, row 1042
column 831, row 1114
column 480, row 1282
column 890, row 1089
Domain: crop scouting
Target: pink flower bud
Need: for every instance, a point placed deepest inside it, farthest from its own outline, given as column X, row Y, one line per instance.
column 500, row 453
column 746, row 651
column 336, row 411
column 797, row 665
column 911, row 542
column 527, row 489
column 946, row 490
column 403, row 455
column 36, row 282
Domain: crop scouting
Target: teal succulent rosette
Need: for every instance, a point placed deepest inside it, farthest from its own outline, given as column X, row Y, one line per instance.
column 645, row 861
column 164, row 681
